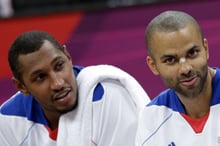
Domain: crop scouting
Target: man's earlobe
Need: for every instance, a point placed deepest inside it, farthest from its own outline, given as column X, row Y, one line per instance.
column 20, row 86
column 151, row 64
column 206, row 46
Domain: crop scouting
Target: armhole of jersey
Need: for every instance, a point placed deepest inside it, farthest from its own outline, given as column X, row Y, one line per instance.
column 77, row 69
column 98, row 92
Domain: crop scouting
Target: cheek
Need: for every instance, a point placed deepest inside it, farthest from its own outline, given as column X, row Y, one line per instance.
column 169, row 81
column 167, row 71
column 40, row 91
column 43, row 91
column 70, row 77
column 168, row 74
column 200, row 65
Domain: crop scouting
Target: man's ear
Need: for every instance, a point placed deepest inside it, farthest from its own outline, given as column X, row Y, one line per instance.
column 20, row 86
column 67, row 53
column 206, row 46
column 152, row 65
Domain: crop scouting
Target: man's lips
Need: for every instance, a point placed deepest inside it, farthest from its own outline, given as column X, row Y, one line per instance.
column 62, row 94
column 189, row 82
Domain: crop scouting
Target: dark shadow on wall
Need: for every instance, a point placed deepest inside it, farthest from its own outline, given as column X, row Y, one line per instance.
column 33, row 7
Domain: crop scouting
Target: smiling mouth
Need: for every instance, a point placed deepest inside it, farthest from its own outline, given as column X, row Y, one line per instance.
column 189, row 82
column 62, row 94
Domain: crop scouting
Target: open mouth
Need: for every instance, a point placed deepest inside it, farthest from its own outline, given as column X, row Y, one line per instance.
column 62, row 94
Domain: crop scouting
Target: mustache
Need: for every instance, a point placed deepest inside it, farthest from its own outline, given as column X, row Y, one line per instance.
column 62, row 93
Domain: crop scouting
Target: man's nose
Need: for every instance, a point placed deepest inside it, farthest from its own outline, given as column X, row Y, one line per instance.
column 185, row 67
column 56, row 81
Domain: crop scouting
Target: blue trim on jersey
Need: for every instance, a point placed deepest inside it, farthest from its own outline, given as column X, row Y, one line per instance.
column 77, row 69
column 215, row 88
column 157, row 129
column 98, row 92
column 169, row 98
column 25, row 106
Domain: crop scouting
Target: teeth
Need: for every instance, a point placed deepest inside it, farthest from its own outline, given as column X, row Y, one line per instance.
column 61, row 95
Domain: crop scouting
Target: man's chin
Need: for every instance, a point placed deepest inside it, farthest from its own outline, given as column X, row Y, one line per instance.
column 70, row 108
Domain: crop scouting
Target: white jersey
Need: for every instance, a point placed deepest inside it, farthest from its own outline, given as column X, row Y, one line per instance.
column 113, row 121
column 164, row 122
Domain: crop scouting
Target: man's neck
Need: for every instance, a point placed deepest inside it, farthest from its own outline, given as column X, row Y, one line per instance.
column 53, row 119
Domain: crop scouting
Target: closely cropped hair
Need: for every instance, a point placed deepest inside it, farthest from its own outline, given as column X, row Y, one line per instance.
column 26, row 43
column 169, row 21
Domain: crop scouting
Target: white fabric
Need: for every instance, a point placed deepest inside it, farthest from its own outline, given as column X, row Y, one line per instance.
column 169, row 128
column 111, row 121
column 18, row 131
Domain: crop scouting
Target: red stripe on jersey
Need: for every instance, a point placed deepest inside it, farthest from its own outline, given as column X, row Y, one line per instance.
column 196, row 123
column 52, row 133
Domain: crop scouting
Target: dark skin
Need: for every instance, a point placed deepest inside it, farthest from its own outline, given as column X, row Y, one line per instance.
column 47, row 75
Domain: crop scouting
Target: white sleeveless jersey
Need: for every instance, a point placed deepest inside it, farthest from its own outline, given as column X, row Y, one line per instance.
column 161, row 123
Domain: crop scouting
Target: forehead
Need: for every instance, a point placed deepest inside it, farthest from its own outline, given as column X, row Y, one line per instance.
column 175, row 42
column 40, row 59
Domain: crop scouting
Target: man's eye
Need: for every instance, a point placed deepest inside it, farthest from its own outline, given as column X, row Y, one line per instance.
column 59, row 65
column 170, row 60
column 40, row 77
column 192, row 53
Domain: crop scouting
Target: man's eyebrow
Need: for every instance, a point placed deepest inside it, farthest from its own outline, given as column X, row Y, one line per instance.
column 55, row 59
column 192, row 48
column 35, row 73
column 39, row 70
column 167, row 56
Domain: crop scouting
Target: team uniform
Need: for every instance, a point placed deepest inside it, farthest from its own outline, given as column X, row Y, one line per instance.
column 105, row 116
column 163, row 122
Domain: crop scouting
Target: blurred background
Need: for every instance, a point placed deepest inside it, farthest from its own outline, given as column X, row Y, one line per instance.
column 101, row 32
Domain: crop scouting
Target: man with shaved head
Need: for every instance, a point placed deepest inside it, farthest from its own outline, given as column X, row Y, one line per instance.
column 187, row 113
